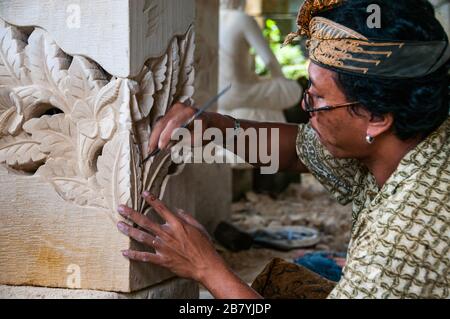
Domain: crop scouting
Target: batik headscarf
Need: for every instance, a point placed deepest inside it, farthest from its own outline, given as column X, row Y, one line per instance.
column 337, row 47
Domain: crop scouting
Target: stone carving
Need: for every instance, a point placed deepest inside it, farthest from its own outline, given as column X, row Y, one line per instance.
column 153, row 12
column 85, row 132
column 252, row 97
column 120, row 35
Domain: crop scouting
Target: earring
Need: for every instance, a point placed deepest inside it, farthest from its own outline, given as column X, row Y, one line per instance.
column 370, row 139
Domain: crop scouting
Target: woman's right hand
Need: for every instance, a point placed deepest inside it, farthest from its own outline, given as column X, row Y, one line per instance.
column 176, row 117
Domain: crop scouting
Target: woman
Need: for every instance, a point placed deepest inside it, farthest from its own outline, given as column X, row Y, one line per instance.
column 378, row 137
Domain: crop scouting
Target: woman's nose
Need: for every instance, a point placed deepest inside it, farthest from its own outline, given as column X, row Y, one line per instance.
column 303, row 106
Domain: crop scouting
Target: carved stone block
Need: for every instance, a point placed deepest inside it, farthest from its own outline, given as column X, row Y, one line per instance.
column 212, row 204
column 76, row 111
column 176, row 288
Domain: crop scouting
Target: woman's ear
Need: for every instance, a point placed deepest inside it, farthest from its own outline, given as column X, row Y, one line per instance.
column 378, row 125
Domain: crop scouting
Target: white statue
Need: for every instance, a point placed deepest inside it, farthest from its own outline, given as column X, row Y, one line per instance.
column 252, row 97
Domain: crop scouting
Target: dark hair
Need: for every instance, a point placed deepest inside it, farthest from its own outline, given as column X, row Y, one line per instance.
column 420, row 105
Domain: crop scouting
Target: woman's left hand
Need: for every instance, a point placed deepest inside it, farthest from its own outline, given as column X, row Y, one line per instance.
column 181, row 244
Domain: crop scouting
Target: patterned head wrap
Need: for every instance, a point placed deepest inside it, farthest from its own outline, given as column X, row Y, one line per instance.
column 337, row 47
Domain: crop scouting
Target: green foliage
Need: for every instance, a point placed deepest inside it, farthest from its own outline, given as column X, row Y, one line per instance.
column 290, row 57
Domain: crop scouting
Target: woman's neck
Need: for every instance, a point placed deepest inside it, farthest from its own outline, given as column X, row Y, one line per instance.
column 386, row 156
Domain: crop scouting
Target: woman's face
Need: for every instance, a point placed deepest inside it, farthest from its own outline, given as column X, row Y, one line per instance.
column 340, row 131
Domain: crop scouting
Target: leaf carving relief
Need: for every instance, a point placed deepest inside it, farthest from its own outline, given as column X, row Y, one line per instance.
column 64, row 119
column 152, row 11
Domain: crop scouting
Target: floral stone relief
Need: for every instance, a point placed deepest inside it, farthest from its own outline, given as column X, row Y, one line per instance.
column 84, row 131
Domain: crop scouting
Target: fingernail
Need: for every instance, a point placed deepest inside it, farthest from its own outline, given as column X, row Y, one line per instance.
column 125, row 253
column 122, row 227
column 121, row 209
column 149, row 196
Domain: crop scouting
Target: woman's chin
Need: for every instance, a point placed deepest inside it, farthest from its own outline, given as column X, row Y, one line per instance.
column 335, row 151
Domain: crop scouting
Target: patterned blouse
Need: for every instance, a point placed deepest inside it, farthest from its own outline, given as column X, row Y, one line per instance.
column 400, row 241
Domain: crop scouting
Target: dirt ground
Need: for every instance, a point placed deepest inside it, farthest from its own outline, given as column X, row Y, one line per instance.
column 306, row 204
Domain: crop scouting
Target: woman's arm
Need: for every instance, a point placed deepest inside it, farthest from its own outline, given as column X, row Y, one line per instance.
column 180, row 113
column 223, row 283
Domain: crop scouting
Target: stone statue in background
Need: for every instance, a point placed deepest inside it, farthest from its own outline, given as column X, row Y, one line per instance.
column 252, row 97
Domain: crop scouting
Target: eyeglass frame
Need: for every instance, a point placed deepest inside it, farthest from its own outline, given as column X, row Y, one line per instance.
column 311, row 110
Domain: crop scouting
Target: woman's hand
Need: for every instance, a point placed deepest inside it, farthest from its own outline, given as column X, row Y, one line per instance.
column 177, row 116
column 181, row 244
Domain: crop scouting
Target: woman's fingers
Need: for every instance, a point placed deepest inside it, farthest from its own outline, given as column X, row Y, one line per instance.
column 137, row 234
column 189, row 219
column 140, row 219
column 161, row 134
column 142, row 256
column 160, row 208
column 182, row 248
column 166, row 135
column 156, row 132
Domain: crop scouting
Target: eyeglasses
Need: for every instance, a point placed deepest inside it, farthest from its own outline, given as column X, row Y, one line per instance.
column 309, row 104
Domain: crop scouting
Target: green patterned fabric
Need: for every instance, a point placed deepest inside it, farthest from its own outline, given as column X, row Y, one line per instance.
column 400, row 240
